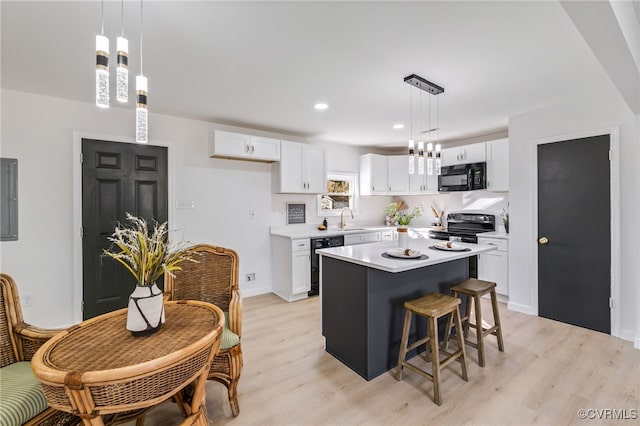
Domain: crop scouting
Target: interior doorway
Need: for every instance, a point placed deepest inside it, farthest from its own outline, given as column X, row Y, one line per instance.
column 574, row 217
column 116, row 178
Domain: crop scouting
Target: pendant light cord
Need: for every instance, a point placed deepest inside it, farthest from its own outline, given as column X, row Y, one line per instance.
column 102, row 17
column 141, row 73
column 429, row 134
column 420, row 131
column 411, row 111
column 438, row 119
column 122, row 16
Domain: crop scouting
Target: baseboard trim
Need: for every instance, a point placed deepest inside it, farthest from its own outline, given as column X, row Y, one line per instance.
column 521, row 308
column 255, row 291
column 636, row 343
column 627, row 335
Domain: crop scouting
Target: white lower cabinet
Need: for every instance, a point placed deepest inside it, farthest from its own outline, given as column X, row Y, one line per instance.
column 292, row 276
column 369, row 237
column 494, row 265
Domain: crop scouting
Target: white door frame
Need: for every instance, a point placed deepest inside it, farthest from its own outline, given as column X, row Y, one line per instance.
column 76, row 240
column 614, row 170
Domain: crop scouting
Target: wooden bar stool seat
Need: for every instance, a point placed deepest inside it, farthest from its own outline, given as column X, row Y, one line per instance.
column 431, row 306
column 474, row 289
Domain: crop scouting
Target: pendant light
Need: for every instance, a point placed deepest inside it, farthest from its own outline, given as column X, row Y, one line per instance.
column 102, row 65
column 122, row 68
column 420, row 144
column 142, row 113
column 412, row 158
column 432, row 89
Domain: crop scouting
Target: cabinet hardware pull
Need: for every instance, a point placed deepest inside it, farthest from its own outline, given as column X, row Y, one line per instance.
column 543, row 240
column 253, row 149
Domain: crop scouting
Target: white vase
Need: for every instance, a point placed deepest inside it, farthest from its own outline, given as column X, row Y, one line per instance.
column 403, row 237
column 146, row 310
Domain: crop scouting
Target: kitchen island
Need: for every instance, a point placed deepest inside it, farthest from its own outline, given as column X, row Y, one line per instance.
column 363, row 293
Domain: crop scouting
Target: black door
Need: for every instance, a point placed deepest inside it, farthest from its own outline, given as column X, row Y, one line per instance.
column 116, row 178
column 574, row 241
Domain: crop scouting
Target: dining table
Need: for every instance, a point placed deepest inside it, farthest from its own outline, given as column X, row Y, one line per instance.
column 98, row 370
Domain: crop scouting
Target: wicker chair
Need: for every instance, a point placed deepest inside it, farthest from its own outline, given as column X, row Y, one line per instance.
column 213, row 278
column 18, row 343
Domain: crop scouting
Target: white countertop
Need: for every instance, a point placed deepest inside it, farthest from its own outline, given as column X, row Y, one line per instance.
column 307, row 232
column 496, row 234
column 370, row 255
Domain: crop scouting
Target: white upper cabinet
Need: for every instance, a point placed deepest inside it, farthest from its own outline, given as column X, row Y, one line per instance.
column 474, row 153
column 236, row 145
column 373, row 174
column 423, row 184
column 498, row 165
column 398, row 174
column 302, row 169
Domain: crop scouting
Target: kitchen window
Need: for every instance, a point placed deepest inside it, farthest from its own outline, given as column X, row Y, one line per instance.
column 341, row 193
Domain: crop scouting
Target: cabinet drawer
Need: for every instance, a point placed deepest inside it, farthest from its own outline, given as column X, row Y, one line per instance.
column 502, row 245
column 300, row 245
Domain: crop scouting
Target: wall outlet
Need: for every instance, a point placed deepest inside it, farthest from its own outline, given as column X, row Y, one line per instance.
column 27, row 300
column 251, row 276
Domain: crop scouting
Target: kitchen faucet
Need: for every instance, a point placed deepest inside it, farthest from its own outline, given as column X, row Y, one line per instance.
column 342, row 224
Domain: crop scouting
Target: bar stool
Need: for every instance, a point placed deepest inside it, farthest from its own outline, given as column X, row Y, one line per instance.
column 431, row 306
column 475, row 289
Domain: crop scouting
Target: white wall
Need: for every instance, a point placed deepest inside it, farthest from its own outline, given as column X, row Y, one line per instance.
column 39, row 130
column 595, row 111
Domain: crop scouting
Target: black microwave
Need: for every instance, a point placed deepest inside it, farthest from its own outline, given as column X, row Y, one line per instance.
column 463, row 177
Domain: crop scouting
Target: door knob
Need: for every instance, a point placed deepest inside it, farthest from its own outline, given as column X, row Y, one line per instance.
column 543, row 240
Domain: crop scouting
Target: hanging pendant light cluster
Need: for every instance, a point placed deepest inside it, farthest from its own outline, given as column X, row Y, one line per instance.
column 432, row 89
column 122, row 75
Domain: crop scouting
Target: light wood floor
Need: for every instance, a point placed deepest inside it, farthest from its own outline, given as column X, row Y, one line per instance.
column 548, row 371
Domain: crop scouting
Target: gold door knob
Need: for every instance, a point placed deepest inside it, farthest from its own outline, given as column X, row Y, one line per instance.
column 543, row 240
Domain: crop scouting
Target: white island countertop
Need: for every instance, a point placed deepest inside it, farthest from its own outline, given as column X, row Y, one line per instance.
column 370, row 255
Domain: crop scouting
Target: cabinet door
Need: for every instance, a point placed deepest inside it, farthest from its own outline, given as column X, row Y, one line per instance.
column 265, row 148
column 450, row 157
column 315, row 169
column 474, row 153
column 422, row 184
column 417, row 182
column 227, row 144
column 493, row 266
column 301, row 273
column 498, row 165
column 290, row 167
column 378, row 174
column 398, row 174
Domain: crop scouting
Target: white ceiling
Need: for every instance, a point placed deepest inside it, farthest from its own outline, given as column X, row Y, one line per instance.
column 264, row 64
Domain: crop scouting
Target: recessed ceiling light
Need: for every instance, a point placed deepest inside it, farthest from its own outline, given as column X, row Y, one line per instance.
column 321, row 106
column 398, row 126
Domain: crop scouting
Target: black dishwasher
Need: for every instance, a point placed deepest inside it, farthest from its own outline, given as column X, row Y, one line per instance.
column 316, row 244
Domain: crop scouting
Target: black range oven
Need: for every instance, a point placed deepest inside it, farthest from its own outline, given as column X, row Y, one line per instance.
column 317, row 244
column 465, row 227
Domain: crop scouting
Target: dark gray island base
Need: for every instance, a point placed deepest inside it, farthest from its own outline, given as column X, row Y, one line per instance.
column 363, row 312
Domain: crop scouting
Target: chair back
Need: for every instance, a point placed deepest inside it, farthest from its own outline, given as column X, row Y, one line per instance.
column 10, row 314
column 212, row 278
